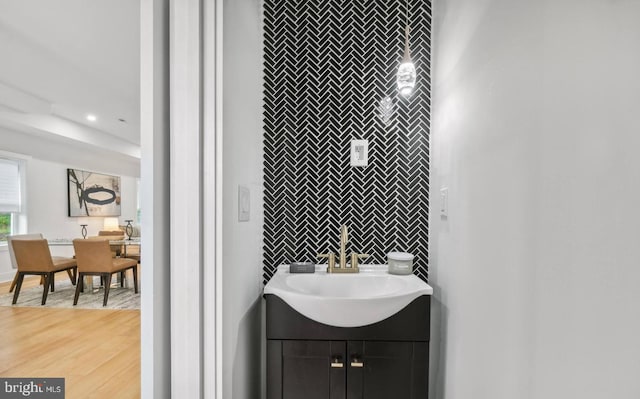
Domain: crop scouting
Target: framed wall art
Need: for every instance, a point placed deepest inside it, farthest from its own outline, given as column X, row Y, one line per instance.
column 93, row 194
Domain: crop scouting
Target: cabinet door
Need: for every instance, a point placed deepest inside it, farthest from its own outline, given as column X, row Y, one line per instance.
column 313, row 369
column 383, row 370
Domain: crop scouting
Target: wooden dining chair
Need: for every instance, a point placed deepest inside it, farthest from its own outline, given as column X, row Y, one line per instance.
column 34, row 258
column 94, row 259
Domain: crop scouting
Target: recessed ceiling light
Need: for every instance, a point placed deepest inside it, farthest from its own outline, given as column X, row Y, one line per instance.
column 91, row 118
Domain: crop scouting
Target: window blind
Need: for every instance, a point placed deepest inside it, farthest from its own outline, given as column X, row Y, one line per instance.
column 9, row 185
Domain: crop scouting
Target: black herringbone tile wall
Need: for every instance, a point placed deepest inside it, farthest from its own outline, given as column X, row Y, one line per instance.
column 327, row 64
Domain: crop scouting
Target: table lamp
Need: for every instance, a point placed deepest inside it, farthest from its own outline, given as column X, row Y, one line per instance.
column 111, row 224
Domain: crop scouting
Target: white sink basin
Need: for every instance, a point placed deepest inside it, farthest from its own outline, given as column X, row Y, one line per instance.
column 346, row 300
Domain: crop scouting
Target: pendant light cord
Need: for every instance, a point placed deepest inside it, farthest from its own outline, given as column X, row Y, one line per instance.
column 407, row 52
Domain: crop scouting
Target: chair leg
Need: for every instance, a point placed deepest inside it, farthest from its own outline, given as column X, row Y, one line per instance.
column 13, row 283
column 135, row 279
column 18, row 286
column 47, row 279
column 72, row 276
column 79, row 287
column 107, row 277
column 52, row 282
column 122, row 279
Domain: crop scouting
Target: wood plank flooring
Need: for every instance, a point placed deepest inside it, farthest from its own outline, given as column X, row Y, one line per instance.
column 96, row 351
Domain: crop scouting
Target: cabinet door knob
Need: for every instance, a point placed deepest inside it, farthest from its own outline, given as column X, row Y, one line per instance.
column 336, row 362
column 356, row 362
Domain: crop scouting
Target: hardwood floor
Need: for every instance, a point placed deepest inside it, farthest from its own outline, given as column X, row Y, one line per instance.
column 96, row 351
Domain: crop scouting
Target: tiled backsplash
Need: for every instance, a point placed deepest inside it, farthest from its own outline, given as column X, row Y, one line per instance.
column 327, row 65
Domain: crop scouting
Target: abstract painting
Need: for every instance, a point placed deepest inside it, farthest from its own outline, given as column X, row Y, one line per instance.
column 93, row 194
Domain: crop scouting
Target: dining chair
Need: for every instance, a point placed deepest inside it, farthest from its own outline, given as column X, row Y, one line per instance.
column 132, row 251
column 12, row 256
column 94, row 259
column 14, row 264
column 34, row 258
column 116, row 249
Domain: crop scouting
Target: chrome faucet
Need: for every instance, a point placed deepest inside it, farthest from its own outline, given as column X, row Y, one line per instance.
column 342, row 266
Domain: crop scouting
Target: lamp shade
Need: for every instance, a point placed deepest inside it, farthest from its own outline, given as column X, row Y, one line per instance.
column 111, row 224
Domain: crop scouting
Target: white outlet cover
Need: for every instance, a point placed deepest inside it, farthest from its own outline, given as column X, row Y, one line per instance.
column 359, row 152
column 244, row 205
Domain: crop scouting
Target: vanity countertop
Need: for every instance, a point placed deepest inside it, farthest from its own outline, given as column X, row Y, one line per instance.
column 346, row 300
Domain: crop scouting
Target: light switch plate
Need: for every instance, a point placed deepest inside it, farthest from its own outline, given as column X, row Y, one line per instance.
column 244, row 196
column 359, row 152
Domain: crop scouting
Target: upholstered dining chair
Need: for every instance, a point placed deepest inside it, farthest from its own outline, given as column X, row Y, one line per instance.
column 133, row 252
column 34, row 258
column 113, row 235
column 12, row 256
column 94, row 259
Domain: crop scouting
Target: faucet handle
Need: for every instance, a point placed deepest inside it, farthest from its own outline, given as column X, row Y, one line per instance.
column 332, row 261
column 355, row 257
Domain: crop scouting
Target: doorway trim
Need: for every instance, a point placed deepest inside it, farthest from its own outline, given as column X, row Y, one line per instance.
column 155, row 339
column 181, row 170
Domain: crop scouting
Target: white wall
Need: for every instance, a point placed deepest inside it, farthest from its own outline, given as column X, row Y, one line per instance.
column 242, row 165
column 535, row 270
column 46, row 197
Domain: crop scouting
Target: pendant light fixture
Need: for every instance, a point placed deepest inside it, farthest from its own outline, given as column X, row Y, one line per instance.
column 407, row 72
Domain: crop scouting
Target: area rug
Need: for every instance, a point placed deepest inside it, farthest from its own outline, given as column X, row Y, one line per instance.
column 119, row 298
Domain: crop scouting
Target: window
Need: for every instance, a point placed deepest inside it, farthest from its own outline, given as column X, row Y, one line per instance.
column 5, row 226
column 11, row 197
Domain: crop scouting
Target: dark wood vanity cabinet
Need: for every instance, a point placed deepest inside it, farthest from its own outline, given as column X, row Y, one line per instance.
column 310, row 360
column 347, row 369
column 389, row 370
column 302, row 369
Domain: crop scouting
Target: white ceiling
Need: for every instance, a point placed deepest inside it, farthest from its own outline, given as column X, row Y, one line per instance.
column 64, row 59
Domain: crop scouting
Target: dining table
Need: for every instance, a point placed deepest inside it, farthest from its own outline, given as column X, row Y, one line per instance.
column 126, row 242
